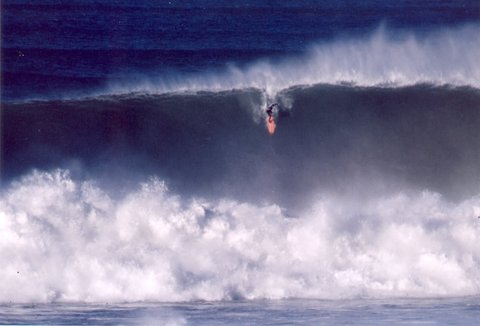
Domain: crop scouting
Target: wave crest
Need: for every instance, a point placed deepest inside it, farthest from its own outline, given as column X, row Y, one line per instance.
column 385, row 58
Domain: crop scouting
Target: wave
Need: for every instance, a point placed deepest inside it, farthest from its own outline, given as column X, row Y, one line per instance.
column 69, row 240
column 328, row 138
column 362, row 192
column 389, row 58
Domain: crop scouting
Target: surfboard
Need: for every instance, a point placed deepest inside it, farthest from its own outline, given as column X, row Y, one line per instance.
column 271, row 125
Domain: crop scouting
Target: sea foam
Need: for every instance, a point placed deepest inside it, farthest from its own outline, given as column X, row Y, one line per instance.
column 63, row 239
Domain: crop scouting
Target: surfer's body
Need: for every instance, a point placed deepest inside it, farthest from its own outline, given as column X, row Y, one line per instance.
column 270, row 110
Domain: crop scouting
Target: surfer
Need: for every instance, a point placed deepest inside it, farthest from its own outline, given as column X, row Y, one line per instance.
column 270, row 111
column 270, row 120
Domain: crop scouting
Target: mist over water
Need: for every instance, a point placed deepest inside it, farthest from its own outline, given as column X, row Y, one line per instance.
column 381, row 58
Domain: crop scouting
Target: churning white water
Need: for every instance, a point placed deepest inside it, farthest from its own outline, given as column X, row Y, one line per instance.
column 63, row 239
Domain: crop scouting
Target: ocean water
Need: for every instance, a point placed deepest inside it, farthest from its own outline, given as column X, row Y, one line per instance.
column 139, row 183
column 457, row 311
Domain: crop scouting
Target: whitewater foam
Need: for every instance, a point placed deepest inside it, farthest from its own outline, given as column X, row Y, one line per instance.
column 69, row 240
column 385, row 58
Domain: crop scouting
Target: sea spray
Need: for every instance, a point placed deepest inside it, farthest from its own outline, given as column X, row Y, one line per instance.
column 69, row 240
column 384, row 58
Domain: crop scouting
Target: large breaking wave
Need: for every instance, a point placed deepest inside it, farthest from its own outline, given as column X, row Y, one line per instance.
column 328, row 138
column 364, row 190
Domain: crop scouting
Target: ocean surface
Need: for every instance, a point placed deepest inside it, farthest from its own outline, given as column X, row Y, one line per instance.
column 139, row 183
column 458, row 311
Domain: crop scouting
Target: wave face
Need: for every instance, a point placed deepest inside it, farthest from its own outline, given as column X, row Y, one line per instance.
column 368, row 192
column 328, row 137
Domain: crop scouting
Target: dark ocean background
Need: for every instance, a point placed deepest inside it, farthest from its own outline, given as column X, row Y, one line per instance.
column 136, row 165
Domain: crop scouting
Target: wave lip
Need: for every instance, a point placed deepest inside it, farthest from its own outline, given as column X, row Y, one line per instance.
column 68, row 240
column 386, row 58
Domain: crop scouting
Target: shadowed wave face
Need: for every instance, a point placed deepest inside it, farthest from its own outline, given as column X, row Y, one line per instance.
column 329, row 138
